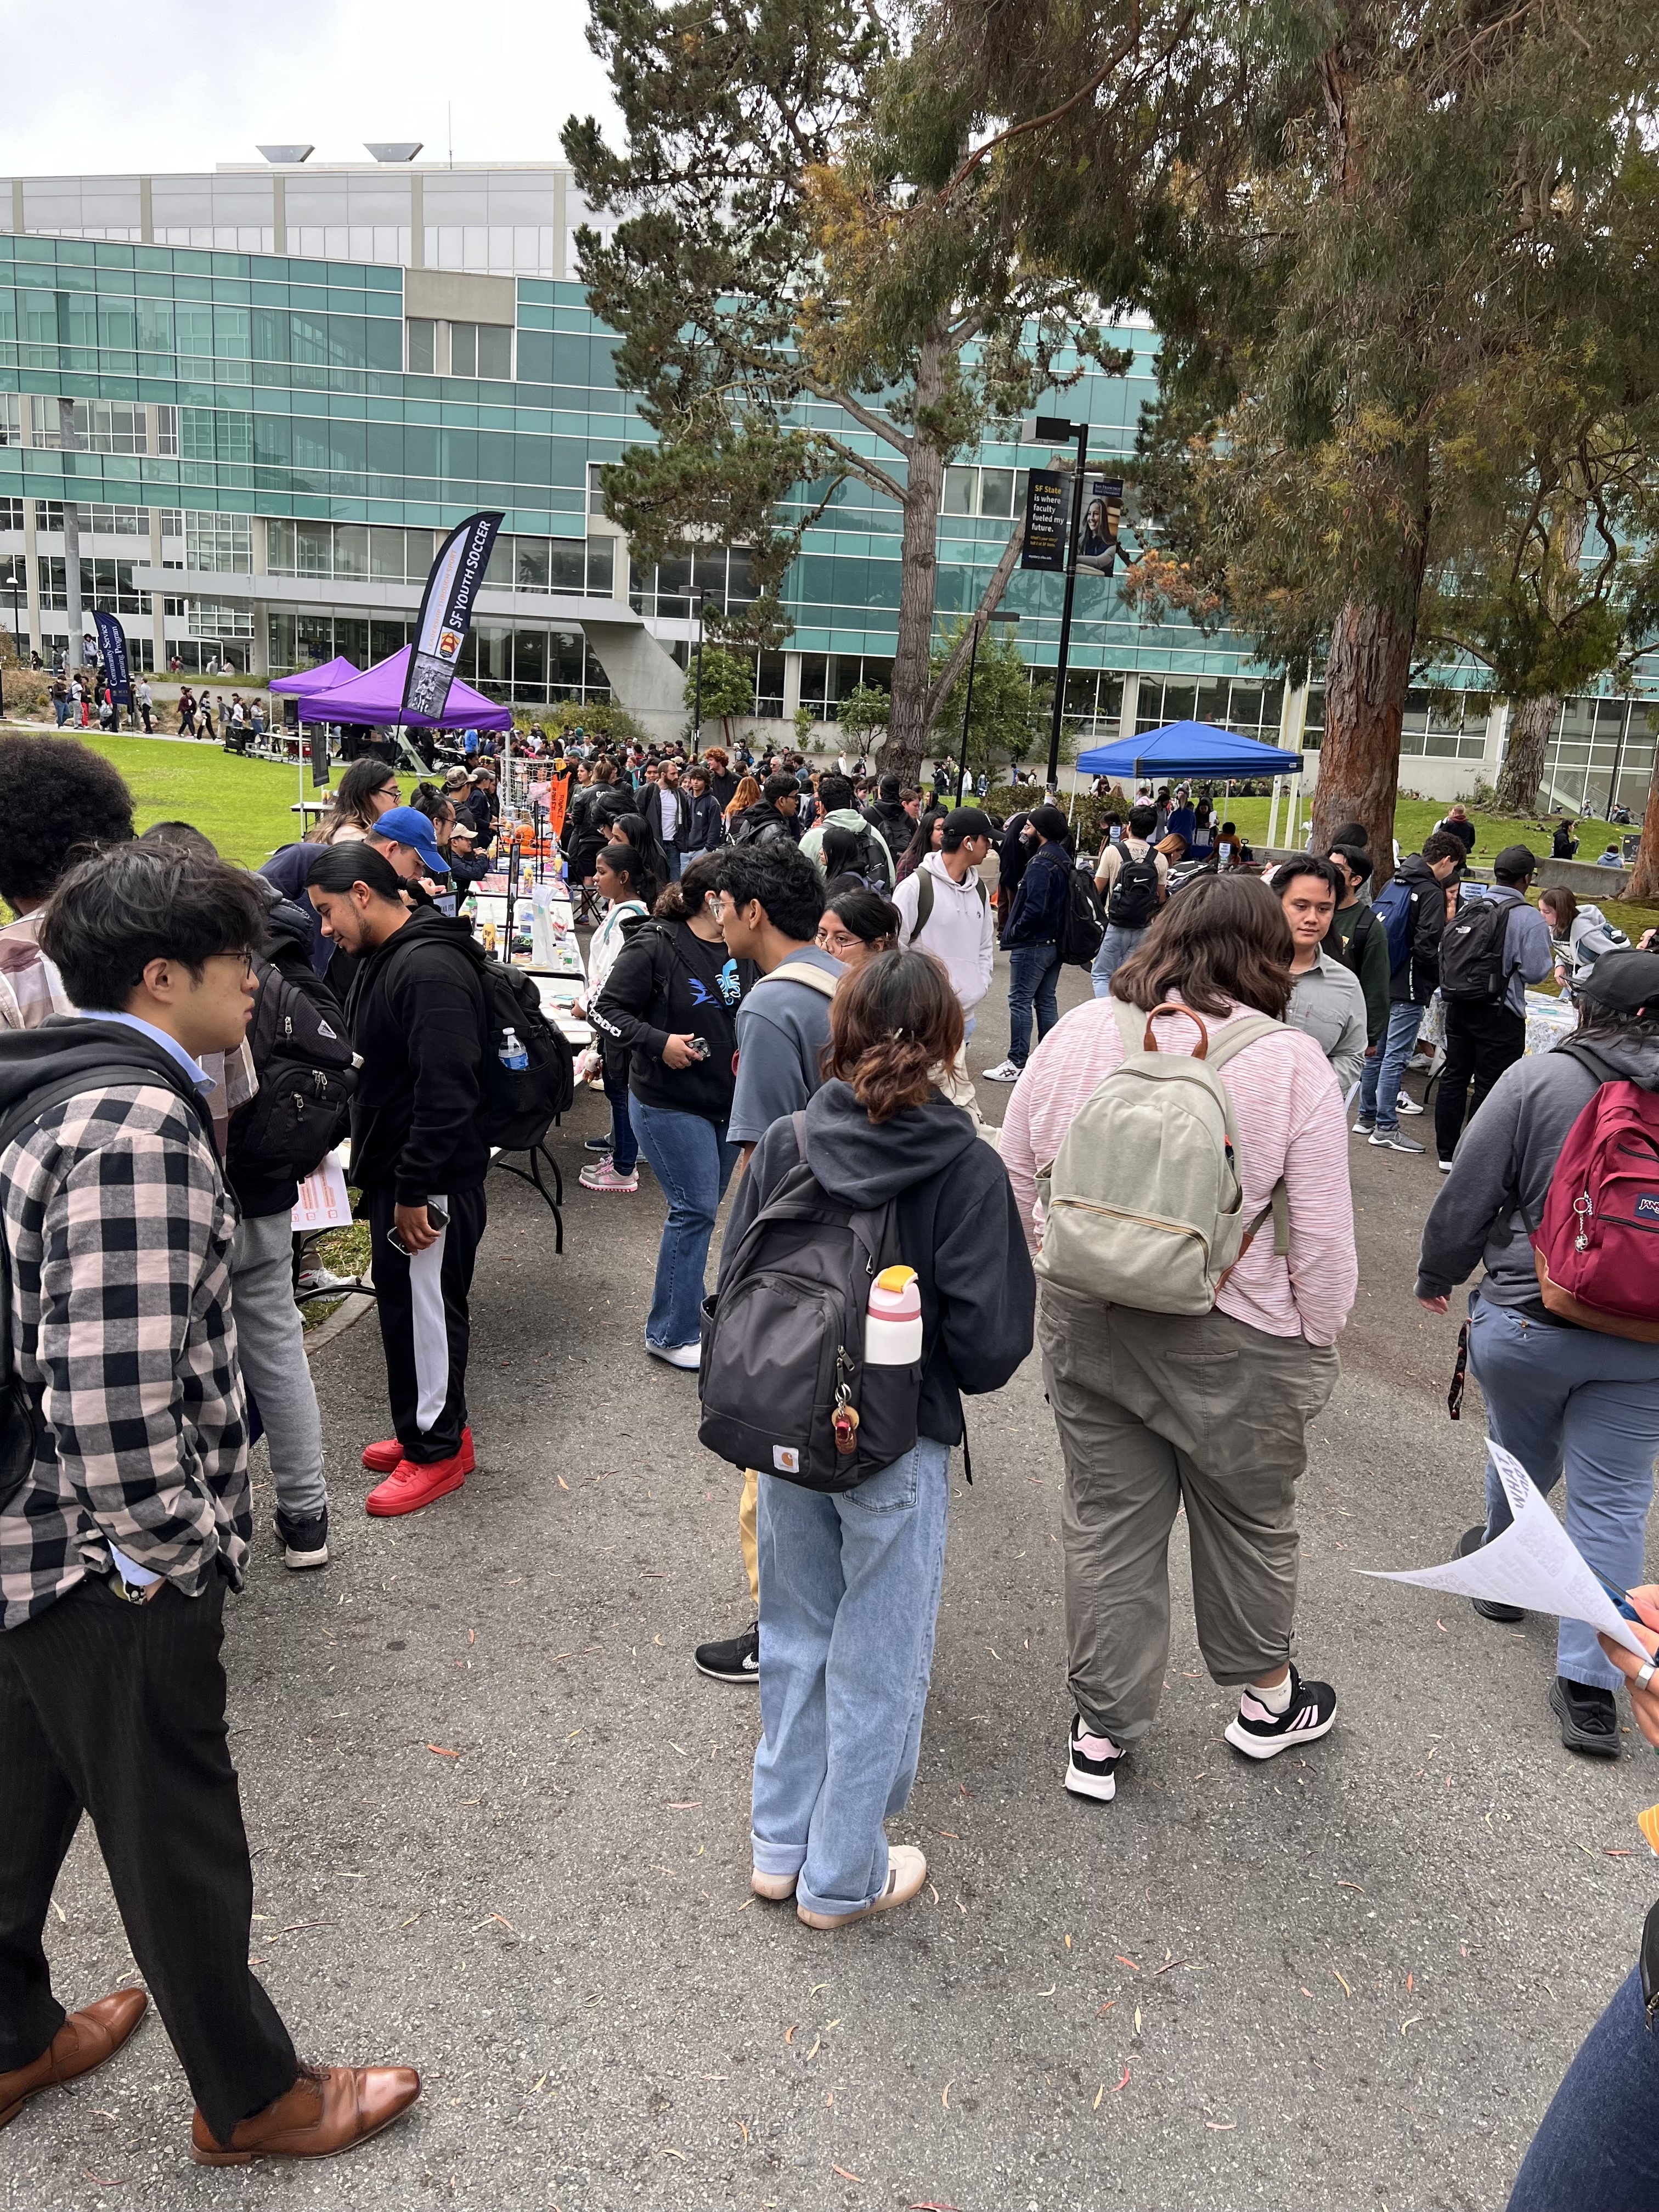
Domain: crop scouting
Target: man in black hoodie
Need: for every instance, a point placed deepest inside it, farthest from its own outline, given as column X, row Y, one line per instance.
column 419, row 1155
column 772, row 816
column 1565, row 1399
column 1420, row 881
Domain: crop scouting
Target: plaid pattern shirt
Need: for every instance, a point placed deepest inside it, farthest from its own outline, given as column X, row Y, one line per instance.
column 119, row 1228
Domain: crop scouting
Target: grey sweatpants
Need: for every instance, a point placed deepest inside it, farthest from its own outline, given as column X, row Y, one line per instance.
column 1155, row 1411
column 270, row 1343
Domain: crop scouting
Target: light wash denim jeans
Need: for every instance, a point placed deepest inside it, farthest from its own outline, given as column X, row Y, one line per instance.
column 693, row 1162
column 1381, row 1075
column 1118, row 942
column 1573, row 1400
column 849, row 1589
column 1033, row 977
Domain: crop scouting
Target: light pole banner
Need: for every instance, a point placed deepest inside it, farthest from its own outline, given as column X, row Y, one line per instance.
column 1045, row 520
column 456, row 579
column 1102, row 513
column 112, row 645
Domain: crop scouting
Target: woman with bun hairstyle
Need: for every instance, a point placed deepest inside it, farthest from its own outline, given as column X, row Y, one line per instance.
column 849, row 1580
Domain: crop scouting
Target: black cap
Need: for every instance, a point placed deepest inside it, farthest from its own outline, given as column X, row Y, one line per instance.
column 1514, row 861
column 1627, row 982
column 969, row 821
column 1049, row 822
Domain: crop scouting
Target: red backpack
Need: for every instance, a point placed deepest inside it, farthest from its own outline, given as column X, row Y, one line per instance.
column 1595, row 1264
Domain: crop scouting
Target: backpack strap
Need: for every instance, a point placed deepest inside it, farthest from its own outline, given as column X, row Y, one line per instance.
column 802, row 971
column 924, row 903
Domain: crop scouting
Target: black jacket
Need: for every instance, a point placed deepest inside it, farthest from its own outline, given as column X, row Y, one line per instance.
column 418, row 1017
column 959, row 1227
column 1417, row 978
column 724, row 789
column 668, row 981
column 287, row 869
column 888, row 816
column 1039, row 906
column 288, row 951
column 705, row 826
column 762, row 823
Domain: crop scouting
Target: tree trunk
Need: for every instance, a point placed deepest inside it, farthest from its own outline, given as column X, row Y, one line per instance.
column 1645, row 877
column 1530, row 725
column 907, row 718
column 1367, row 670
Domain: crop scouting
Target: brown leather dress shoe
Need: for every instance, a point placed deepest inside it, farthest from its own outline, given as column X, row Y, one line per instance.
column 85, row 2040
column 329, row 2109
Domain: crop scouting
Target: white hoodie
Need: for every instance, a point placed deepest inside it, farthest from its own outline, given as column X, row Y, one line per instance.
column 959, row 930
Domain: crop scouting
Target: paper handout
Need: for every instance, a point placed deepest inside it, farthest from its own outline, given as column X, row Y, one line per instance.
column 1535, row 1563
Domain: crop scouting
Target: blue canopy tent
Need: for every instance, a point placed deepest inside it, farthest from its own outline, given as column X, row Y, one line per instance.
column 1188, row 748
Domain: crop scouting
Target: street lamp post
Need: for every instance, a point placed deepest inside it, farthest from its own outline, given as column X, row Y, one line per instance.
column 1056, row 429
column 968, row 706
column 699, row 594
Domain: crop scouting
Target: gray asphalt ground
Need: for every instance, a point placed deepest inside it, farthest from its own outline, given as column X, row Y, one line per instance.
column 501, row 1829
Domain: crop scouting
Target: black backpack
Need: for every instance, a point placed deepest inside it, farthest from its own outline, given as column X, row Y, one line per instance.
column 783, row 1341
column 1134, row 900
column 520, row 1105
column 1082, row 926
column 1472, row 948
column 308, row 1072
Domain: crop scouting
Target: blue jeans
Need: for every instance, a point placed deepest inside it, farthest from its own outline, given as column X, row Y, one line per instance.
column 693, row 1162
column 1597, row 2150
column 676, row 864
column 1572, row 1398
column 849, row 1589
column 1383, row 1075
column 1118, row 942
column 624, row 1144
column 1033, row 973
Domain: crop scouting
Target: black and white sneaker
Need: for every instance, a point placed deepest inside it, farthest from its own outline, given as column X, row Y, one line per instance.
column 304, row 1543
column 605, row 1144
column 1259, row 1734
column 1086, row 1777
column 737, row 1660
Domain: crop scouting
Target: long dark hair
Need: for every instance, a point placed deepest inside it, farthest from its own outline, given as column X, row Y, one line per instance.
column 635, row 868
column 891, row 1027
column 867, row 916
column 681, row 899
column 351, row 801
column 1221, row 942
column 634, row 830
column 920, row 844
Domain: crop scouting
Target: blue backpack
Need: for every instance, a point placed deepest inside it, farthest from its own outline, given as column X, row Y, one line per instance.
column 1395, row 908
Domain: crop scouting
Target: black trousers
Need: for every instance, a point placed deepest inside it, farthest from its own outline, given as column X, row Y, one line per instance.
column 424, row 1328
column 1481, row 1041
column 118, row 1711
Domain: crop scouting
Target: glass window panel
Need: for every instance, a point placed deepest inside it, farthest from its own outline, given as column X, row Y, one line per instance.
column 530, row 658
column 566, row 566
column 350, row 549
column 996, row 493
column 494, row 345
column 314, row 549
column 739, row 584
column 530, row 564
column 959, row 485
column 464, row 349
column 601, row 567
column 279, row 548
column 386, row 555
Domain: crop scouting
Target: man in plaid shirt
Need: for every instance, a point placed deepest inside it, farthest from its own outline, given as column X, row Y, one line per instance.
column 133, row 1519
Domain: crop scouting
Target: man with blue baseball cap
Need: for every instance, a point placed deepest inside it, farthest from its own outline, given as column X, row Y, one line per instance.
column 404, row 835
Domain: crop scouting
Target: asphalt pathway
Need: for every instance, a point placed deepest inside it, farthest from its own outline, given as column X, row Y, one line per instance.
column 501, row 1829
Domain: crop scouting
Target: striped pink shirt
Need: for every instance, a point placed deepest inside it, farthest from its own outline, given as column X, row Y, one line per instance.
column 1291, row 1123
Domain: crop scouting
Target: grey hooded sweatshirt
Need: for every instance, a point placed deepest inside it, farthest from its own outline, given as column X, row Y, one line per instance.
column 1509, row 1152
column 958, row 1225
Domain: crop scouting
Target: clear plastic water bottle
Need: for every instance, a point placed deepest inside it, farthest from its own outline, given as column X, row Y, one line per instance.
column 513, row 1052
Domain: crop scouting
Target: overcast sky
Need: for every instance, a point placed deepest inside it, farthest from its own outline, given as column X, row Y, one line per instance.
column 203, row 81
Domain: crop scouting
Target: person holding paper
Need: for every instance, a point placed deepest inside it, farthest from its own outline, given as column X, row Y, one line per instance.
column 1564, row 1398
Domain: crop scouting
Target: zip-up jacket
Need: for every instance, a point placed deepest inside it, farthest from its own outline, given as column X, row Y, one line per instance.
column 668, row 981
column 418, row 1018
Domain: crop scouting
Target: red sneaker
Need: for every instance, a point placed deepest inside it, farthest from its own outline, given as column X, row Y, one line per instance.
column 412, row 1485
column 385, row 1459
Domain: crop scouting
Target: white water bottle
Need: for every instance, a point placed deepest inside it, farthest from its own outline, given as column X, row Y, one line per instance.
column 892, row 1322
column 513, row 1052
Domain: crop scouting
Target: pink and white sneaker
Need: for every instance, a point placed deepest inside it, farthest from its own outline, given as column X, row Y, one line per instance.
column 607, row 1176
column 1259, row 1734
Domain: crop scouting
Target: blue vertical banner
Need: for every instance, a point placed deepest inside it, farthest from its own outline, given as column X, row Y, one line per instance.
column 452, row 587
column 112, row 645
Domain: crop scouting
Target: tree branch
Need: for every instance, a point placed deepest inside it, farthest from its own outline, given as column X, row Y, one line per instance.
column 1039, row 122
column 939, row 690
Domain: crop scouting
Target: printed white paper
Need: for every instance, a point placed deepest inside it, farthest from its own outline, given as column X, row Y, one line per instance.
column 324, row 1201
column 1535, row 1563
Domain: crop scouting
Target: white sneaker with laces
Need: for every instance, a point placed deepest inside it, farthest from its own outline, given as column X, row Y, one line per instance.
column 1406, row 1104
column 677, row 1355
column 1005, row 1071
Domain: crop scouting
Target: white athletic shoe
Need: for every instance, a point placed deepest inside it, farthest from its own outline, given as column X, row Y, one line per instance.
column 1005, row 1071
column 677, row 1355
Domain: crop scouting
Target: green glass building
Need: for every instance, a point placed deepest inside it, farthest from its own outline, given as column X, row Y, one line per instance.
column 282, row 381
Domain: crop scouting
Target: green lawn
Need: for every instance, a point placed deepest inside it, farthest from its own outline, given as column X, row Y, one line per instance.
column 243, row 806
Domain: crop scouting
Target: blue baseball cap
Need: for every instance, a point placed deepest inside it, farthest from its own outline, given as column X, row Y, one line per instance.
column 407, row 825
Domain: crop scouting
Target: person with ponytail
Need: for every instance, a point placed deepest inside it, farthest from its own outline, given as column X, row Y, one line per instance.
column 849, row 1580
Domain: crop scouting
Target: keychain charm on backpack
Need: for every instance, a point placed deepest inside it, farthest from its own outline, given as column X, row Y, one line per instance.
column 845, row 1423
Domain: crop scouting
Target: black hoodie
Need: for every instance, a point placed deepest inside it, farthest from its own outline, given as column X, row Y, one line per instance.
column 668, row 981
column 418, row 1017
column 1417, row 978
column 258, row 1193
column 959, row 1227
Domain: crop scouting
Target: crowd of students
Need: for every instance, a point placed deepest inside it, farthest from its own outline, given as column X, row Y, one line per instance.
column 1172, row 1172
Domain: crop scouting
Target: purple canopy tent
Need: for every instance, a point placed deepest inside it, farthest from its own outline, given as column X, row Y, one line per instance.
column 376, row 696
column 321, row 678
